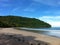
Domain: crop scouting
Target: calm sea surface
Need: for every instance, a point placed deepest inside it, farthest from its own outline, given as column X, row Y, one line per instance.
column 54, row 31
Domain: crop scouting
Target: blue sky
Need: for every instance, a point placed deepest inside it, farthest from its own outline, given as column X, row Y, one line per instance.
column 46, row 10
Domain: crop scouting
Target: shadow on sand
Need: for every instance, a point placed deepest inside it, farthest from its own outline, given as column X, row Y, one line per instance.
column 19, row 39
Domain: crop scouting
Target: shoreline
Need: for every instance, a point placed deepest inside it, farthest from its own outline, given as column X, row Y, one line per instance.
column 45, row 38
column 41, row 32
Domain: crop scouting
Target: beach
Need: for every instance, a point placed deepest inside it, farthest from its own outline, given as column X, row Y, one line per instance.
column 41, row 37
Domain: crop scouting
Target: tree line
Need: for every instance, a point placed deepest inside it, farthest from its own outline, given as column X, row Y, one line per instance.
column 18, row 21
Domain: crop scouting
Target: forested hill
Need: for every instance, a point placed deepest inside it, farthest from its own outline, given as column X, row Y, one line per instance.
column 18, row 21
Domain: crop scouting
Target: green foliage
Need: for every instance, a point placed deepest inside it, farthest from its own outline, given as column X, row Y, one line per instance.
column 16, row 21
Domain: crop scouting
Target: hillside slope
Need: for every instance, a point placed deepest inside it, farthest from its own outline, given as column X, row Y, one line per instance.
column 18, row 21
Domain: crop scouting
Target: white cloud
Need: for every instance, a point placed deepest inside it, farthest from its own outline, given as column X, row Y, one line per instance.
column 51, row 17
column 15, row 9
column 49, row 2
column 54, row 12
column 55, row 24
column 29, row 9
column 53, row 20
column 26, row 9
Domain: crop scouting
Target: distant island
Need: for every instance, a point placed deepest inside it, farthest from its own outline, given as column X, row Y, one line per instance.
column 18, row 21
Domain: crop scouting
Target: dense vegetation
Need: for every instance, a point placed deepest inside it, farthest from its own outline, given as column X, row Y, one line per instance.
column 16, row 21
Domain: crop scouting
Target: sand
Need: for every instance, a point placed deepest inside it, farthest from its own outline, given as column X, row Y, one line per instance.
column 41, row 37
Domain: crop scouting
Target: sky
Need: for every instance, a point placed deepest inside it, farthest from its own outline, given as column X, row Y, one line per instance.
column 45, row 10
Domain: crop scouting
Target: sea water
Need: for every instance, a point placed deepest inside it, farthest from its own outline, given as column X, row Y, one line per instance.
column 53, row 31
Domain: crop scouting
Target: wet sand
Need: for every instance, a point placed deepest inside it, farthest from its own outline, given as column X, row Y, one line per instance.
column 41, row 37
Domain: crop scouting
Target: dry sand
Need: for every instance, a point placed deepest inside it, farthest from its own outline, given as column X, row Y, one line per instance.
column 49, row 39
